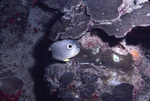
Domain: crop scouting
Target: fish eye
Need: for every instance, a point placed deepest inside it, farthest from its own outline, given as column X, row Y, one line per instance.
column 69, row 46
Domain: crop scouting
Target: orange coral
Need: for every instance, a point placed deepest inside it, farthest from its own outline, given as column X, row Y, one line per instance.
column 136, row 55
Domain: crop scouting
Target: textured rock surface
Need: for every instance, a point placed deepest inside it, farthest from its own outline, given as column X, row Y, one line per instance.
column 103, row 10
column 29, row 27
column 128, row 21
column 116, row 18
column 122, row 92
column 11, row 84
column 101, row 72
column 21, row 26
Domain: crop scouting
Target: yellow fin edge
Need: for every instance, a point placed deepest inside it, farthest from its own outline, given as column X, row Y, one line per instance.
column 66, row 60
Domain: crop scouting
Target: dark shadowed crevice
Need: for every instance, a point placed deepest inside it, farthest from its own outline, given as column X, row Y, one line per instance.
column 104, row 36
column 44, row 7
column 132, row 41
column 42, row 59
column 139, row 35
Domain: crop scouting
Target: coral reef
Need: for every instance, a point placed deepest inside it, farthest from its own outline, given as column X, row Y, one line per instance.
column 128, row 21
column 70, row 26
column 116, row 18
column 112, row 65
column 99, row 72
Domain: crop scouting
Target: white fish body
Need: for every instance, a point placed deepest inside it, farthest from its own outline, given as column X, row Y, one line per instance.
column 65, row 49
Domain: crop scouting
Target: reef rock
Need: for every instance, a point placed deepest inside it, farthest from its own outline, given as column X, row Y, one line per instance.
column 116, row 17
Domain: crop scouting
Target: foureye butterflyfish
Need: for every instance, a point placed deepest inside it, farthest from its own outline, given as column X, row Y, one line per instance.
column 65, row 49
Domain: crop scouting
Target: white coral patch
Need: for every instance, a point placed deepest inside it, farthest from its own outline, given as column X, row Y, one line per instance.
column 113, row 80
column 116, row 58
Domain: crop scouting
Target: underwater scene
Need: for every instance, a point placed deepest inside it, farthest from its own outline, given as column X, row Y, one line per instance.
column 74, row 50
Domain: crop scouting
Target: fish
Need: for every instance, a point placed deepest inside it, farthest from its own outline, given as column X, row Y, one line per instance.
column 65, row 49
